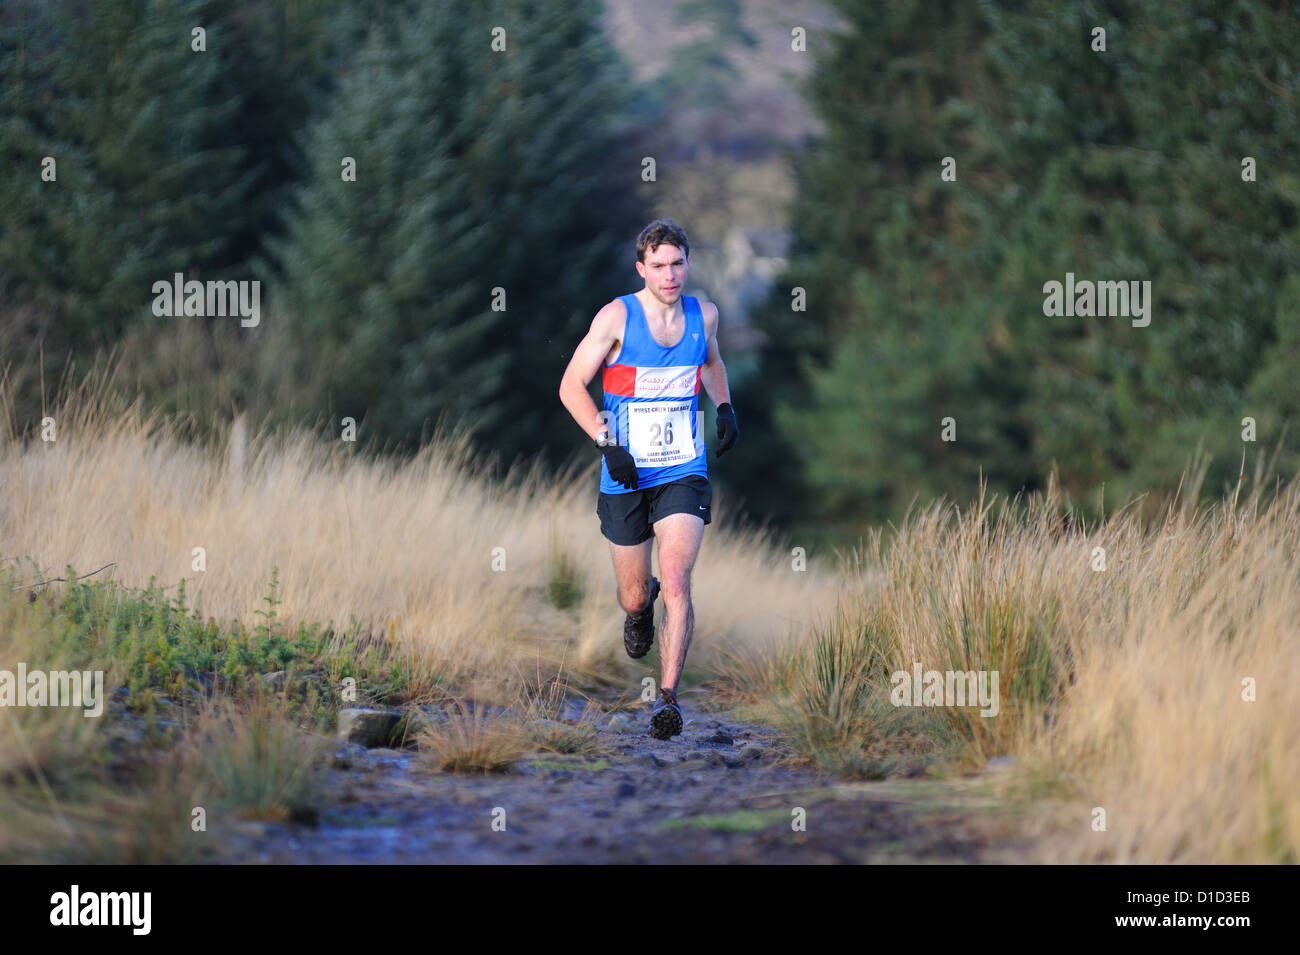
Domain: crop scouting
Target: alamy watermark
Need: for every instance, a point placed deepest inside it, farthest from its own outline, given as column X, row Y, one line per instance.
column 211, row 299
column 946, row 688
column 84, row 688
column 1126, row 299
column 75, row 907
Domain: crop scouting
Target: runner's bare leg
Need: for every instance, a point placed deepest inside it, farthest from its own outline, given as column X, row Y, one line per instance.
column 679, row 544
column 632, row 573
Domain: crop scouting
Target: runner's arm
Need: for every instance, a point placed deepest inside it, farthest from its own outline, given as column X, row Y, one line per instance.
column 713, row 375
column 587, row 359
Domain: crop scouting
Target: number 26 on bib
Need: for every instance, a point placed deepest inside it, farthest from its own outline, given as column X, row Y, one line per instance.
column 659, row 434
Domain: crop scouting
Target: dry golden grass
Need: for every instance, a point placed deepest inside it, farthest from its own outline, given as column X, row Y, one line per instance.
column 1120, row 688
column 541, row 708
column 471, row 740
column 38, row 743
column 253, row 758
column 106, row 825
column 46, row 752
column 401, row 553
column 1156, row 729
column 56, row 804
column 406, row 550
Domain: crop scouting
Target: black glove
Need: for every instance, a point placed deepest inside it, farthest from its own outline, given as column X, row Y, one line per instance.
column 621, row 466
column 727, row 430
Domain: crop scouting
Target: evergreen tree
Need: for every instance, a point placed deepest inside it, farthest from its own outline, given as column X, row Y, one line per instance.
column 477, row 170
column 846, row 426
column 148, row 168
column 279, row 62
column 1126, row 164
column 927, row 295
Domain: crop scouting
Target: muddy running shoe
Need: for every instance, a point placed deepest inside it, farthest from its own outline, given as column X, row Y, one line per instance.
column 639, row 627
column 666, row 718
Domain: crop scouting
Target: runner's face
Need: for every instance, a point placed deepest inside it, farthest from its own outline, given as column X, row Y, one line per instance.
column 664, row 271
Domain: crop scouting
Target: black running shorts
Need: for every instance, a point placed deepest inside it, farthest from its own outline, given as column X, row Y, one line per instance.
column 629, row 518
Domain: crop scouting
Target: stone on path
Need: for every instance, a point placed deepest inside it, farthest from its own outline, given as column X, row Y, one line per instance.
column 367, row 726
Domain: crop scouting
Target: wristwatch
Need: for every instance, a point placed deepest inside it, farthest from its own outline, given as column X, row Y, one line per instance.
column 604, row 439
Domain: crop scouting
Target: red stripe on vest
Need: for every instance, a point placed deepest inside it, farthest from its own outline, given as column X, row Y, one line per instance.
column 620, row 380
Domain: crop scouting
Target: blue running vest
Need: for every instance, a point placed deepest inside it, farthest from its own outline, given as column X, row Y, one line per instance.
column 652, row 396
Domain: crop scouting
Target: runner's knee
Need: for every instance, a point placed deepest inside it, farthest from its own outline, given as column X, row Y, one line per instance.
column 676, row 587
column 632, row 597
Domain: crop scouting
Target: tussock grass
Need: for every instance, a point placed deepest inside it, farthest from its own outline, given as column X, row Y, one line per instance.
column 577, row 739
column 564, row 584
column 148, row 822
column 45, row 745
column 541, row 709
column 254, row 758
column 63, row 797
column 1119, row 688
column 107, row 825
column 473, row 741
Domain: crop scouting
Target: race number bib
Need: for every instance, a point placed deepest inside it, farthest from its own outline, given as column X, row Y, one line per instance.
column 659, row 433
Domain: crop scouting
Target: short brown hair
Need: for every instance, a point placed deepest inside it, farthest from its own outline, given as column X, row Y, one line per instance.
column 661, row 232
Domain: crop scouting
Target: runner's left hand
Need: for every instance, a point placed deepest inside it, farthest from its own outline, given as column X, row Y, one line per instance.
column 727, row 430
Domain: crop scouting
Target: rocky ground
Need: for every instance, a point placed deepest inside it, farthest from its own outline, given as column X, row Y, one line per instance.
column 723, row 792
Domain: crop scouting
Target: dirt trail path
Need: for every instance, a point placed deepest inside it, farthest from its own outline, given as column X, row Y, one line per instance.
column 719, row 793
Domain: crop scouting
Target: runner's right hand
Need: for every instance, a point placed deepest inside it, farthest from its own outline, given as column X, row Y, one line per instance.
column 621, row 466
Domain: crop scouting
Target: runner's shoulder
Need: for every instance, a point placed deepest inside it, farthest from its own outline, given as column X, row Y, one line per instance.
column 611, row 319
column 710, row 313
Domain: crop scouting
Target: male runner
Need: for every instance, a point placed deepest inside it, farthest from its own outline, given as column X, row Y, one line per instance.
column 655, row 347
